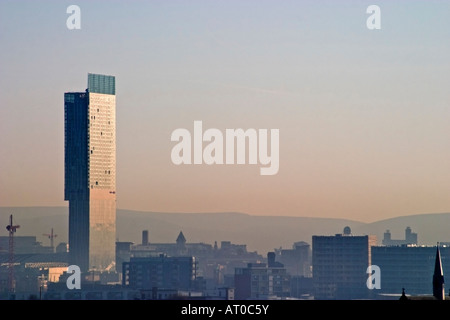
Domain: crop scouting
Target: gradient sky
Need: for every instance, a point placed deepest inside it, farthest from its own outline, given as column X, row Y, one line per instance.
column 363, row 114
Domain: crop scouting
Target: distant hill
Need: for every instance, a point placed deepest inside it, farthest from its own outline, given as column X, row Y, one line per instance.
column 259, row 233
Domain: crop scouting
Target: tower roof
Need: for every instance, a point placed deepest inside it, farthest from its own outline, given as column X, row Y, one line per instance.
column 100, row 83
column 181, row 238
column 438, row 277
column 438, row 263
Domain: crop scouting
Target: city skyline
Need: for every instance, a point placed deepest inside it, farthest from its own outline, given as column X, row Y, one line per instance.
column 362, row 114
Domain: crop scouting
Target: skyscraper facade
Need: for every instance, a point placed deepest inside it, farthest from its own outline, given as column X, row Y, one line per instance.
column 90, row 173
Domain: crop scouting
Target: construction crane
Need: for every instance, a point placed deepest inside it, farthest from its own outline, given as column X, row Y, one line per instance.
column 11, row 229
column 51, row 236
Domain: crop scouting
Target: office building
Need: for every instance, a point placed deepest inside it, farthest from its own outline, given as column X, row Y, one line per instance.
column 262, row 280
column 339, row 265
column 409, row 267
column 297, row 260
column 162, row 272
column 90, row 173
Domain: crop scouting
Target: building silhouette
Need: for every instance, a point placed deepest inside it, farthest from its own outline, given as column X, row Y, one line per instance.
column 438, row 290
column 90, row 173
column 339, row 265
column 438, row 277
column 215, row 264
column 162, row 272
column 408, row 266
column 262, row 280
column 410, row 238
column 23, row 244
column 297, row 260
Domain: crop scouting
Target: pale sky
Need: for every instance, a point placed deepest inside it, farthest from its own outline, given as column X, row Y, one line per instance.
column 363, row 115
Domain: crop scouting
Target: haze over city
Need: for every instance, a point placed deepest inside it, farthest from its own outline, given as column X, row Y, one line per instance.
column 362, row 114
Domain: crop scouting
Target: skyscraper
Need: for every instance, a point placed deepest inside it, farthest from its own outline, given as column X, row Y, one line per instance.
column 90, row 173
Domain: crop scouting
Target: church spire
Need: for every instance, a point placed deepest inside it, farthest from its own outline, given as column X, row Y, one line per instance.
column 181, row 240
column 438, row 277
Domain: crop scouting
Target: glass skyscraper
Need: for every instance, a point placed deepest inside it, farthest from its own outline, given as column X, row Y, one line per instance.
column 90, row 173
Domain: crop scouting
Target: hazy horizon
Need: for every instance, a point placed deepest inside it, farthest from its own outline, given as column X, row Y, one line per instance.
column 260, row 233
column 245, row 213
column 362, row 114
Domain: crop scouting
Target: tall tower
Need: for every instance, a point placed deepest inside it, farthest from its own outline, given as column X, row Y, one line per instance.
column 90, row 173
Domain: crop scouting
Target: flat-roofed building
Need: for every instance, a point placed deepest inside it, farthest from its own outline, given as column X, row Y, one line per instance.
column 339, row 265
column 408, row 267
